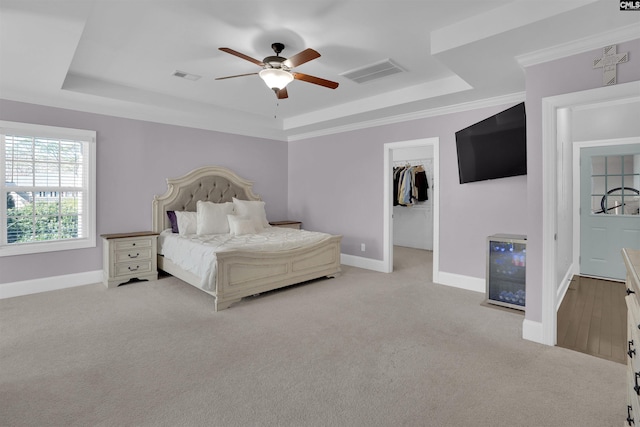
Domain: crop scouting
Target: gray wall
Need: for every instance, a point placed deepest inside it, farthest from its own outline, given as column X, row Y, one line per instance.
column 567, row 75
column 133, row 160
column 336, row 185
column 608, row 122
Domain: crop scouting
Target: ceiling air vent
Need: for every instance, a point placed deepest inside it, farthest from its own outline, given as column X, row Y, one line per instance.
column 185, row 75
column 374, row 71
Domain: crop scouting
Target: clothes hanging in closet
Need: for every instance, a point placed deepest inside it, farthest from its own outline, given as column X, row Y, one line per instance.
column 410, row 184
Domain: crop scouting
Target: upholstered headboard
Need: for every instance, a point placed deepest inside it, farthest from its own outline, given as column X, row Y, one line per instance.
column 210, row 183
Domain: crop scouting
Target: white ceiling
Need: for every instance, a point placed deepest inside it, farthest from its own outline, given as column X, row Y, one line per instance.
column 117, row 57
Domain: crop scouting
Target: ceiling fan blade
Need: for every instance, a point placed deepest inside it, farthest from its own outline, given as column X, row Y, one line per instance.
column 282, row 93
column 242, row 55
column 302, row 57
column 315, row 80
column 237, row 75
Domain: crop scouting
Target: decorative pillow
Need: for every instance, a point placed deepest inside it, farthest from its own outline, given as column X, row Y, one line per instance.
column 239, row 225
column 187, row 222
column 173, row 221
column 254, row 210
column 212, row 217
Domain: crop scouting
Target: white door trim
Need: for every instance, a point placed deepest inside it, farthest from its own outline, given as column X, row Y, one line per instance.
column 387, row 239
column 550, row 143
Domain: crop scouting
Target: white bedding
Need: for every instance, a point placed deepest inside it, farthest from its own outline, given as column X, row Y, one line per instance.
column 197, row 254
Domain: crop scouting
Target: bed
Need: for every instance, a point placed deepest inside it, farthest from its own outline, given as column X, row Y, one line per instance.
column 231, row 271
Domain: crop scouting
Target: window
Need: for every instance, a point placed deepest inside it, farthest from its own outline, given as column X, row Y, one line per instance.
column 615, row 184
column 49, row 187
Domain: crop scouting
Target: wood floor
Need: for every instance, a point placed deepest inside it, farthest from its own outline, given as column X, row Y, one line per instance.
column 592, row 318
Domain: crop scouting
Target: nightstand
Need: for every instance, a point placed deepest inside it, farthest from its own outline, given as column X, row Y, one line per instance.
column 287, row 224
column 127, row 256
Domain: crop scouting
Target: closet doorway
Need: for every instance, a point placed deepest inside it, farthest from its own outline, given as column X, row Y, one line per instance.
column 420, row 226
column 413, row 214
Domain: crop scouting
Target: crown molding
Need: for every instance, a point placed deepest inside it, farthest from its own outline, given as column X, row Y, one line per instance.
column 381, row 101
column 586, row 44
column 433, row 112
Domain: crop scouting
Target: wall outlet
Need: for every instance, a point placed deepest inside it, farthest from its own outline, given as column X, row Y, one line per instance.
column 362, row 247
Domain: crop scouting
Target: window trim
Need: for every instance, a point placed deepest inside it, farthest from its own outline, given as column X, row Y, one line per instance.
column 87, row 136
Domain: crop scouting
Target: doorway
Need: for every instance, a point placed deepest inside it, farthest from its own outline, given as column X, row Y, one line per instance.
column 432, row 144
column 559, row 258
column 591, row 317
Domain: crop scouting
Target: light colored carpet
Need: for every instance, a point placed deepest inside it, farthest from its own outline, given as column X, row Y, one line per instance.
column 364, row 349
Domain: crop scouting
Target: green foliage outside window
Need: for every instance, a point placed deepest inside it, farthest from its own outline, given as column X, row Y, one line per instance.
column 50, row 221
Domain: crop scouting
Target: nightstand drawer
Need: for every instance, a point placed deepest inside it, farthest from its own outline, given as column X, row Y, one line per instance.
column 139, row 253
column 126, row 268
column 133, row 243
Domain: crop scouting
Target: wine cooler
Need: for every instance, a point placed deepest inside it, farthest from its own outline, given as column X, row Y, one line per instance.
column 506, row 267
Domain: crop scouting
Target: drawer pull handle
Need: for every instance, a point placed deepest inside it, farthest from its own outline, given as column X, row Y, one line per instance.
column 629, row 291
column 133, row 244
column 631, row 351
column 134, row 256
column 137, row 267
column 629, row 419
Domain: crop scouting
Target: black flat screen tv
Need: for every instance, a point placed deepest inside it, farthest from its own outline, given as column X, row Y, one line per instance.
column 494, row 148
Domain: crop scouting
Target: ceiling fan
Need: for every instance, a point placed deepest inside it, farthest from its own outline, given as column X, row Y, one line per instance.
column 277, row 71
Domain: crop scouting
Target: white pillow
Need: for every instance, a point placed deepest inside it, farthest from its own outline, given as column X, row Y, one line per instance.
column 186, row 222
column 253, row 210
column 212, row 217
column 239, row 225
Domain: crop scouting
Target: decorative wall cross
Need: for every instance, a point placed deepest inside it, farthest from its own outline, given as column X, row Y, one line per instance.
column 610, row 59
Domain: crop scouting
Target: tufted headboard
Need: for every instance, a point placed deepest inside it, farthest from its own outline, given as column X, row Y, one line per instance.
column 210, row 183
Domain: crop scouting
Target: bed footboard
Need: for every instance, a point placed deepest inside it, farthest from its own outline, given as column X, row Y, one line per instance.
column 242, row 273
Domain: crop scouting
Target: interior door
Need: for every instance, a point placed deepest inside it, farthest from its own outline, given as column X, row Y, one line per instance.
column 609, row 217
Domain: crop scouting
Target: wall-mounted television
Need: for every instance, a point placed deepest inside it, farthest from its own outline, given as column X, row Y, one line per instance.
column 494, row 148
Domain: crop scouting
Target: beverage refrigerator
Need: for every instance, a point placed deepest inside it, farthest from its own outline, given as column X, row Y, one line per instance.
column 506, row 267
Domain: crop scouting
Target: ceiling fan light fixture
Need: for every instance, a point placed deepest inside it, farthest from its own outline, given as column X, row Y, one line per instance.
column 276, row 70
column 275, row 78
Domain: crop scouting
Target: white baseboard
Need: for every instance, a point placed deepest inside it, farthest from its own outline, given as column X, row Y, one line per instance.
column 533, row 331
column 27, row 287
column 448, row 279
column 564, row 285
column 464, row 282
column 360, row 262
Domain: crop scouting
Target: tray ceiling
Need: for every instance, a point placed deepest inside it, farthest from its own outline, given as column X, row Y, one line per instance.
column 120, row 57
